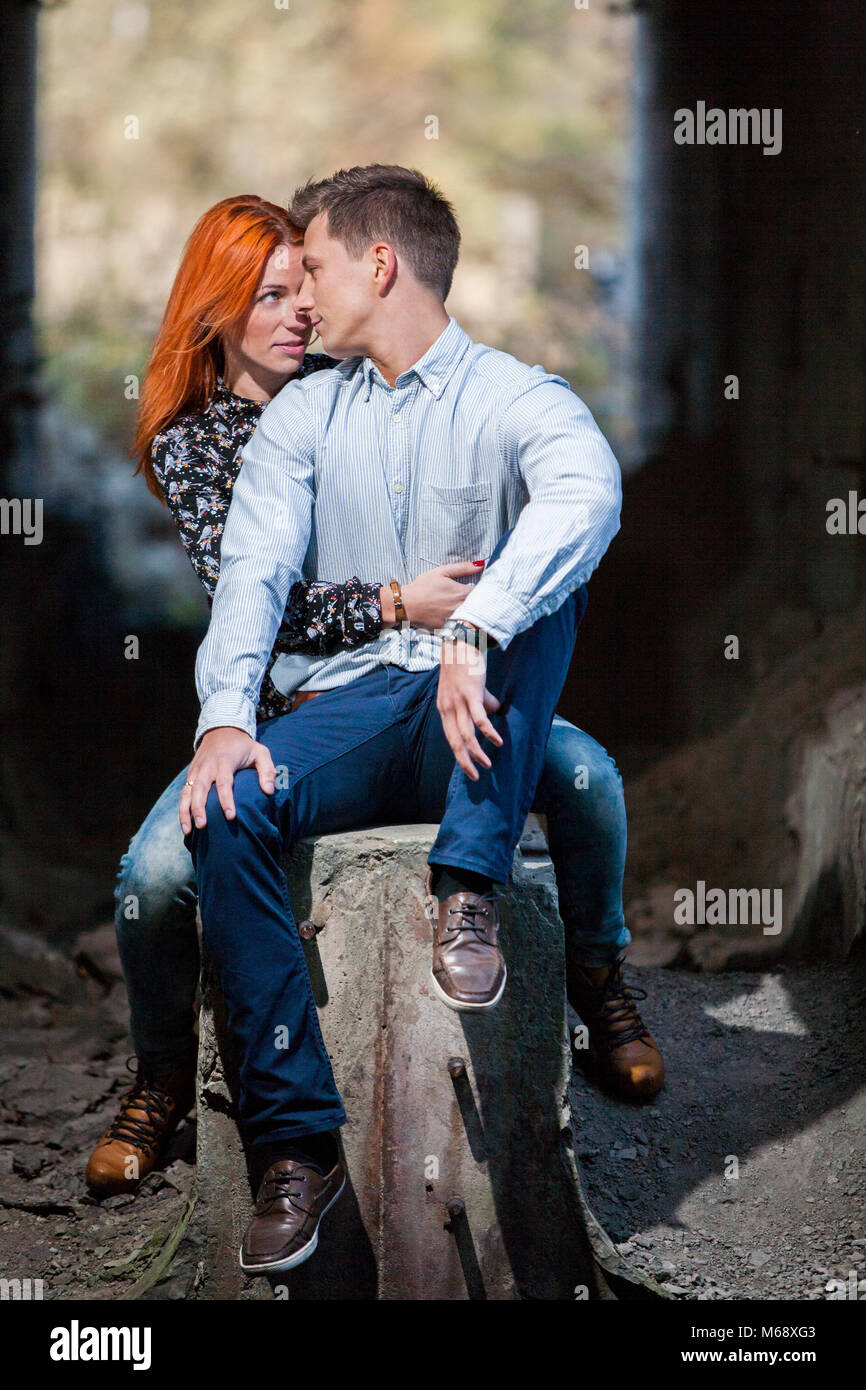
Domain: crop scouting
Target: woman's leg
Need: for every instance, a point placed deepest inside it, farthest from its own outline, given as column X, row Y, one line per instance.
column 155, row 919
column 155, row 915
column 581, row 793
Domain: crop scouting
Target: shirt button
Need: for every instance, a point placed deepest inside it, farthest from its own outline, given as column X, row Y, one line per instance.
column 398, row 487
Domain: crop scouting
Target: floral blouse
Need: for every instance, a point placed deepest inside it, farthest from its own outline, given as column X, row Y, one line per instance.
column 197, row 461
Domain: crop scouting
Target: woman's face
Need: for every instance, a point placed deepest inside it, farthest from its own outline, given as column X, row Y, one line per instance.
column 275, row 334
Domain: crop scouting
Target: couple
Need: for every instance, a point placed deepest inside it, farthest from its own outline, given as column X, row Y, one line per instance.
column 400, row 459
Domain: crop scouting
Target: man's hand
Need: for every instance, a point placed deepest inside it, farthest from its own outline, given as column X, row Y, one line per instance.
column 463, row 703
column 221, row 753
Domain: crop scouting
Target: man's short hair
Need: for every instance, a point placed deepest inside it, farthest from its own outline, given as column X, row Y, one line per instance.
column 385, row 202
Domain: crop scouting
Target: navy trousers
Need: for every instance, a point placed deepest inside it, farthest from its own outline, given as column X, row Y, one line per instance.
column 371, row 752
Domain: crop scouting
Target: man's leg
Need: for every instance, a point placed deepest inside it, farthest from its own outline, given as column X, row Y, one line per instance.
column 341, row 764
column 483, row 820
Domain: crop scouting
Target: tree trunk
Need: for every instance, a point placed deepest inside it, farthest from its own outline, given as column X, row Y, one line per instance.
column 462, row 1179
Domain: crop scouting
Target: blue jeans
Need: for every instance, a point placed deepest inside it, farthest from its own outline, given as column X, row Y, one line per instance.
column 370, row 752
column 154, row 916
column 580, row 792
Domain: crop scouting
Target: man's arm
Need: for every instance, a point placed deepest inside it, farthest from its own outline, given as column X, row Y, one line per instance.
column 575, row 496
column 266, row 537
column 264, row 543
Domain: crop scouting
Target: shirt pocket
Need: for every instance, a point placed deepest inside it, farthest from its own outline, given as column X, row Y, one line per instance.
column 453, row 523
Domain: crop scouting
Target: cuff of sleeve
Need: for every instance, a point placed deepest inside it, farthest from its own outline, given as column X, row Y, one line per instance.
column 492, row 608
column 228, row 708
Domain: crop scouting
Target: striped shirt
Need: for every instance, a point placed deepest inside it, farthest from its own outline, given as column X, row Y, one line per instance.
column 345, row 474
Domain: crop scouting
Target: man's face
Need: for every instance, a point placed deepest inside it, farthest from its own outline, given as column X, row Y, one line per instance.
column 339, row 295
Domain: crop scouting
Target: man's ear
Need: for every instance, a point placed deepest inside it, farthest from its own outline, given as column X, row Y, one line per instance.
column 384, row 266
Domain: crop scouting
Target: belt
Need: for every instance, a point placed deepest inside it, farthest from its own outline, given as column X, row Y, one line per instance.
column 299, row 697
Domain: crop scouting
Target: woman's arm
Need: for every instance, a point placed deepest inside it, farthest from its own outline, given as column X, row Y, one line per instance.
column 198, row 497
column 320, row 617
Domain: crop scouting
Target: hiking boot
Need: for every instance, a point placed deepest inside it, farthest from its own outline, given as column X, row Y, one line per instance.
column 626, row 1054
column 136, row 1138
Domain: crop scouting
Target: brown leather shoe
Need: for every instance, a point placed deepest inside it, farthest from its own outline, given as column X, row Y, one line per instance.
column 149, row 1114
column 627, row 1055
column 468, row 969
column 291, row 1201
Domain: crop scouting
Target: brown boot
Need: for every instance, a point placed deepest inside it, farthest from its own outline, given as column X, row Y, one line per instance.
column 149, row 1114
column 623, row 1048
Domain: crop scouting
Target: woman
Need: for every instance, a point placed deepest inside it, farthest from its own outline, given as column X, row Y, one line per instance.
column 229, row 341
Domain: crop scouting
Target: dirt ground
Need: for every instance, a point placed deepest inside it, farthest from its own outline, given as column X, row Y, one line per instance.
column 62, row 1071
column 743, row 1180
column 765, row 1082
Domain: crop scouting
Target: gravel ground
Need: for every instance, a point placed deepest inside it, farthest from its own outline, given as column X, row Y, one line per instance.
column 743, row 1180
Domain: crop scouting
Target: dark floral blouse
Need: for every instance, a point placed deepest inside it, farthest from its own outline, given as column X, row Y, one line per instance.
column 197, row 461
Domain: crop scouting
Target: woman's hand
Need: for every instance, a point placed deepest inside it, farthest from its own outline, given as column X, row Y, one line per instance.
column 433, row 596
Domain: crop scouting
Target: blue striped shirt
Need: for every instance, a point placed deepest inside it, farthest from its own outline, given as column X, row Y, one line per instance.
column 348, row 475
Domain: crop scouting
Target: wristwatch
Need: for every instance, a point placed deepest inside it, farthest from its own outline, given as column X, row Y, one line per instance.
column 456, row 630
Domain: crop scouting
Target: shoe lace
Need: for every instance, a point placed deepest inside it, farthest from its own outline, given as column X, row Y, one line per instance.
column 616, row 1010
column 144, row 1095
column 281, row 1183
column 473, row 910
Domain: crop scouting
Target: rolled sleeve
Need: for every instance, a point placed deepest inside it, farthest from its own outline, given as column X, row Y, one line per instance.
column 492, row 608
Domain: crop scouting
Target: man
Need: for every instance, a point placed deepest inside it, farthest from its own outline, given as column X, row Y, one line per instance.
column 420, row 447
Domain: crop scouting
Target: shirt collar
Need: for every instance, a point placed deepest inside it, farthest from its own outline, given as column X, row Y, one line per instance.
column 435, row 368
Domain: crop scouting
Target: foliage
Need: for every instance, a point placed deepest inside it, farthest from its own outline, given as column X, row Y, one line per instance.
column 532, row 108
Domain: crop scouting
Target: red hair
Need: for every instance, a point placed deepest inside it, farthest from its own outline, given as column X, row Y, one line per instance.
column 219, row 272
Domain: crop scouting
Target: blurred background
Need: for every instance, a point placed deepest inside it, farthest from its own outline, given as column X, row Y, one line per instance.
column 651, row 274
column 521, row 114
